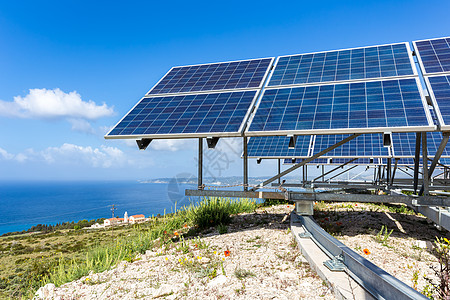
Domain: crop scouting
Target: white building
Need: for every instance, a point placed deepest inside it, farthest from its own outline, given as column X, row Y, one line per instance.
column 137, row 219
column 110, row 222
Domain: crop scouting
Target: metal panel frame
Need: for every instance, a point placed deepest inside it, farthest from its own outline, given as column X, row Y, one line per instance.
column 188, row 135
column 261, row 84
column 419, row 58
column 430, row 127
column 408, row 47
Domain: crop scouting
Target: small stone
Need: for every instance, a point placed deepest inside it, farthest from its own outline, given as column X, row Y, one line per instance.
column 164, row 289
column 420, row 244
column 219, row 280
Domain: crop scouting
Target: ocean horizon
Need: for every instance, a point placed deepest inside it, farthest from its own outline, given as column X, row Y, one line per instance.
column 25, row 204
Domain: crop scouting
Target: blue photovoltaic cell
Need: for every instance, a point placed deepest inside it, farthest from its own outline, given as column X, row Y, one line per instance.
column 383, row 104
column 219, row 76
column 354, row 64
column 336, row 161
column 368, row 145
column 404, row 144
column 201, row 113
column 435, row 55
column 277, row 146
column 440, row 86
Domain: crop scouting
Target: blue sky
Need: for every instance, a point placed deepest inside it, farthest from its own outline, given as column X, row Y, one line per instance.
column 69, row 70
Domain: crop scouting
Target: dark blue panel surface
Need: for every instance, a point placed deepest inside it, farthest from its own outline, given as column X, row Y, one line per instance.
column 336, row 161
column 382, row 104
column 368, row 145
column 434, row 55
column 404, row 144
column 354, row 64
column 278, row 146
column 201, row 113
column 440, row 86
column 219, row 76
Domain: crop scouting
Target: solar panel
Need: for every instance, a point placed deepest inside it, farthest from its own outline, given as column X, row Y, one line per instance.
column 212, row 77
column 366, row 145
column 337, row 161
column 277, row 147
column 372, row 106
column 440, row 95
column 196, row 115
column 404, row 144
column 433, row 55
column 351, row 64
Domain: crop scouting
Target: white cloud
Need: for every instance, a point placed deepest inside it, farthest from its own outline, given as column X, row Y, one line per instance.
column 103, row 157
column 53, row 104
column 170, row 145
column 81, row 126
column 70, row 154
column 8, row 156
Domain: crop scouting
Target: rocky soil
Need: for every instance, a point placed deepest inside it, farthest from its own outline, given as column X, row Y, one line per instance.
column 256, row 259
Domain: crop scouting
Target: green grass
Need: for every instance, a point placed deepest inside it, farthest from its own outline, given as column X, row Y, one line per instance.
column 44, row 258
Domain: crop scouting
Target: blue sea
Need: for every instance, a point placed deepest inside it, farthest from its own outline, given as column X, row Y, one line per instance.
column 24, row 204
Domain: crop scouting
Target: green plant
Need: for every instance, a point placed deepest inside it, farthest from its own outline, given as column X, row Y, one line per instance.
column 241, row 273
column 222, row 229
column 442, row 251
column 383, row 235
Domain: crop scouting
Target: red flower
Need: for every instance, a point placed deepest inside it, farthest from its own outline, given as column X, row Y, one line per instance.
column 326, row 219
column 165, row 232
column 185, row 225
column 175, row 233
column 366, row 251
column 227, row 252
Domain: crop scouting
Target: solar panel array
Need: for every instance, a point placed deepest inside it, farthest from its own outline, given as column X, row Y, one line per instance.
column 433, row 55
column 341, row 108
column 278, row 146
column 212, row 77
column 366, row 145
column 404, row 144
column 187, row 114
column 440, row 93
column 198, row 105
column 338, row 161
column 352, row 64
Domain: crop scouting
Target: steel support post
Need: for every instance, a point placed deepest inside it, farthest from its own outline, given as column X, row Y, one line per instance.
column 279, row 171
column 395, row 169
column 200, row 164
column 388, row 173
column 417, row 161
column 424, row 189
column 244, row 140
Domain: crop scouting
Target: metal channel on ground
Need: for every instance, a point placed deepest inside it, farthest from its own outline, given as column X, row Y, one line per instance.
column 375, row 280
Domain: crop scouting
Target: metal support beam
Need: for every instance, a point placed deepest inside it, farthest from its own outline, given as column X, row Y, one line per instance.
column 331, row 171
column 304, row 162
column 244, row 140
column 345, row 171
column 200, row 164
column 388, row 172
column 424, row 189
column 437, row 156
column 395, row 169
column 279, row 171
column 416, row 161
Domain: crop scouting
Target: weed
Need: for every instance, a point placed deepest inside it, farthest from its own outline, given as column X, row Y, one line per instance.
column 222, row 229
column 242, row 273
column 442, row 251
column 383, row 235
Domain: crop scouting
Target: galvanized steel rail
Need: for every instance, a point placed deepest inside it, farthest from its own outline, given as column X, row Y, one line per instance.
column 375, row 280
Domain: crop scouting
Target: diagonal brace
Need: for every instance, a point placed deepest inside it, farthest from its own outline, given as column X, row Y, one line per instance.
column 304, row 162
column 331, row 171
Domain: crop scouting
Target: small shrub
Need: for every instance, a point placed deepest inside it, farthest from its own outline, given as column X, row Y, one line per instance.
column 222, row 229
column 383, row 235
column 241, row 273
